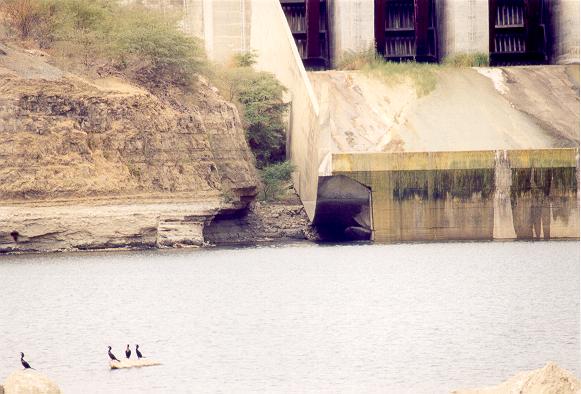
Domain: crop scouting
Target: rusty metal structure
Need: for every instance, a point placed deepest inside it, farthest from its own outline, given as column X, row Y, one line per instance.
column 519, row 31
column 405, row 30
column 308, row 21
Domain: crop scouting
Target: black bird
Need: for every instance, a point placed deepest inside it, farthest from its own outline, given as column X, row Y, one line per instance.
column 127, row 352
column 139, row 355
column 25, row 364
column 111, row 355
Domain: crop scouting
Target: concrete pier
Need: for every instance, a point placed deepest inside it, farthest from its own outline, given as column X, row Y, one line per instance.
column 462, row 27
column 453, row 195
column 351, row 24
column 566, row 32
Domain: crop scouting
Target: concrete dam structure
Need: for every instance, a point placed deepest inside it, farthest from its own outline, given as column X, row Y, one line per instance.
column 478, row 157
column 443, row 153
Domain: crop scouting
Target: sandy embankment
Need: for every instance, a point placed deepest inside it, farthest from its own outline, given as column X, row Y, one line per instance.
column 551, row 379
column 28, row 381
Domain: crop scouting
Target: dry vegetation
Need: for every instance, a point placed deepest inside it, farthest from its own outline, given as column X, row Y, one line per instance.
column 102, row 37
column 423, row 75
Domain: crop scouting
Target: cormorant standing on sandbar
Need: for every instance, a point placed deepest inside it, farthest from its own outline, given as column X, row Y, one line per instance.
column 127, row 352
column 112, row 356
column 25, row 364
column 139, row 355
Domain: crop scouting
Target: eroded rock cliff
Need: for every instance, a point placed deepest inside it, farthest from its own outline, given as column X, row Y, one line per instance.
column 94, row 145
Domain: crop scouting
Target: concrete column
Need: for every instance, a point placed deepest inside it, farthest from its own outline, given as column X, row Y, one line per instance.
column 351, row 24
column 462, row 26
column 566, row 31
column 226, row 27
column 208, row 16
column 193, row 17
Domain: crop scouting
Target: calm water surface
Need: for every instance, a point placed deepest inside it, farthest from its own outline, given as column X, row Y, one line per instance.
column 301, row 318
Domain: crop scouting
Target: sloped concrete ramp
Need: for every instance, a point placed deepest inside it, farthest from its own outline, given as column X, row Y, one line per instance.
column 469, row 109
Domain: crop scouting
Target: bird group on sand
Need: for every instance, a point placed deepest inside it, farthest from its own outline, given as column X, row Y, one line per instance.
column 127, row 353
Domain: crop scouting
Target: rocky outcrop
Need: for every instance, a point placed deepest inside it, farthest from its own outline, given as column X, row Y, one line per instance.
column 88, row 164
column 549, row 379
column 29, row 228
column 71, row 138
column 264, row 222
column 29, row 382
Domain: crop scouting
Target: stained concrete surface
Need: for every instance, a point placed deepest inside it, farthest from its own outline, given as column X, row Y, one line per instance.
column 469, row 109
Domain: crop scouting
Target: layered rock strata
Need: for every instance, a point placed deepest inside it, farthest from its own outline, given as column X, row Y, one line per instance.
column 88, row 164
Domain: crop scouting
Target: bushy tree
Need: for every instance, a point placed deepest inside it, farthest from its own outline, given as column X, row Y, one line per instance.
column 154, row 46
column 259, row 96
column 274, row 177
column 142, row 43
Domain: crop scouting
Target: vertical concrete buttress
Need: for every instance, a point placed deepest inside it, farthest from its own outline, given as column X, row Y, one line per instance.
column 503, row 227
column 462, row 26
column 566, row 31
column 351, row 24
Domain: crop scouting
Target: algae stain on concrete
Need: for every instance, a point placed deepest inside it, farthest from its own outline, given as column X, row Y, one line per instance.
column 466, row 196
column 541, row 199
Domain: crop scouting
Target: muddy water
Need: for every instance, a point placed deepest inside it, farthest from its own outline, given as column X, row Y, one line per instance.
column 299, row 318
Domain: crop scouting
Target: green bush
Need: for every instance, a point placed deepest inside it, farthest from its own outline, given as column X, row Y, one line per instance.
column 142, row 43
column 155, row 48
column 245, row 59
column 259, row 97
column 274, row 177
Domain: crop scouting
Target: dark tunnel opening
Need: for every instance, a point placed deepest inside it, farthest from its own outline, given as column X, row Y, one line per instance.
column 343, row 210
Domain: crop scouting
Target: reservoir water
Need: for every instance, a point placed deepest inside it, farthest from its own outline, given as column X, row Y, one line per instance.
column 410, row 318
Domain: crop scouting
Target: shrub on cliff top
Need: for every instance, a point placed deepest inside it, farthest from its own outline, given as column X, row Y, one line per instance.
column 153, row 45
column 139, row 42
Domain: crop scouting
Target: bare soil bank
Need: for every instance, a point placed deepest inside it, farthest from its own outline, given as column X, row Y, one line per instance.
column 549, row 379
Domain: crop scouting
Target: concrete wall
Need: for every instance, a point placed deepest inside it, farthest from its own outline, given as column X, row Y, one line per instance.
column 566, row 31
column 277, row 53
column 226, row 27
column 351, row 25
column 528, row 194
column 462, row 26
